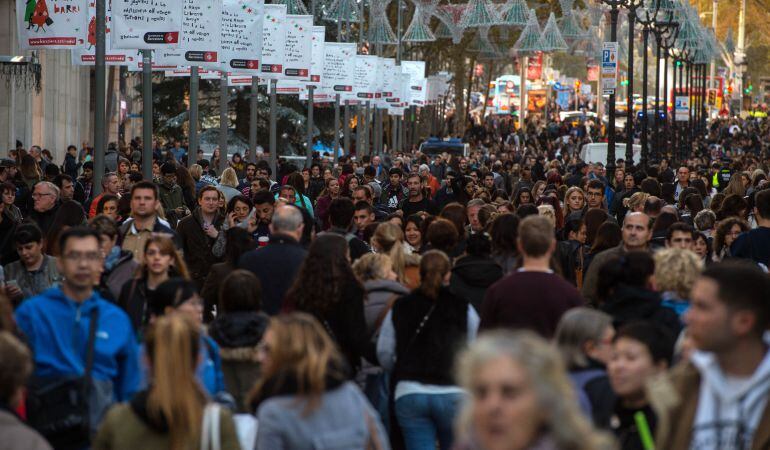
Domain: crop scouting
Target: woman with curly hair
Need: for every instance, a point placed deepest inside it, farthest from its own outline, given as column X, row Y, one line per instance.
column 727, row 231
column 676, row 270
column 733, row 206
column 327, row 288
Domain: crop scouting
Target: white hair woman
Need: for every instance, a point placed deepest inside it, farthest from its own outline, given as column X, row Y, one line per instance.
column 520, row 397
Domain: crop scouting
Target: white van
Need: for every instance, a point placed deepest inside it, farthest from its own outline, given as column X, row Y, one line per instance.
column 597, row 152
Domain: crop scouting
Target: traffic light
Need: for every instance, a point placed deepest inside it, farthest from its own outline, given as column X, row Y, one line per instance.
column 624, row 82
column 577, row 85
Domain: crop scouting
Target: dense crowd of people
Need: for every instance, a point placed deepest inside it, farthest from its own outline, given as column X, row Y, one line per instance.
column 516, row 297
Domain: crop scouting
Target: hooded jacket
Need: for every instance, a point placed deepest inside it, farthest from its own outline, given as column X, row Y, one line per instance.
column 56, row 329
column 631, row 303
column 471, row 276
column 129, row 426
column 379, row 294
column 238, row 334
column 698, row 408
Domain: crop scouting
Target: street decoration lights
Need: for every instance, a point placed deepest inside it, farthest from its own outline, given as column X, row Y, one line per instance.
column 380, row 31
column 514, row 13
column 479, row 13
column 294, row 6
column 530, row 42
column 418, row 30
column 450, row 22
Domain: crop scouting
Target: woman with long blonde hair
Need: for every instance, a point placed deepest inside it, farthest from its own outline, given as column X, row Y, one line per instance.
column 161, row 262
column 303, row 398
column 520, row 397
column 574, row 201
column 389, row 239
column 170, row 413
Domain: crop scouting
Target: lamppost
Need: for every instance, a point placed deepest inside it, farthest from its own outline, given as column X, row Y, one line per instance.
column 646, row 17
column 665, row 35
column 632, row 6
column 615, row 6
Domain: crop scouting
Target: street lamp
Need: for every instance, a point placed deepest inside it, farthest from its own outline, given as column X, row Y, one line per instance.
column 632, row 6
column 615, row 6
column 665, row 35
column 646, row 17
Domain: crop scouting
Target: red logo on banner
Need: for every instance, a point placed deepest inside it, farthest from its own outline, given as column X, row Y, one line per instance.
column 210, row 56
column 535, row 67
column 172, row 37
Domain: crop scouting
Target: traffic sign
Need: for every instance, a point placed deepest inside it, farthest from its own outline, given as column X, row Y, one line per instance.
column 682, row 108
column 609, row 67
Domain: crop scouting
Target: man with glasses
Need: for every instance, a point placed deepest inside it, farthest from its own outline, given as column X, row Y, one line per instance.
column 595, row 195
column 35, row 271
column 45, row 198
column 56, row 325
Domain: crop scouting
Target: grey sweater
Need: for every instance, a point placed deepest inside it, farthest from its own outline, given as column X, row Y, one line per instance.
column 344, row 420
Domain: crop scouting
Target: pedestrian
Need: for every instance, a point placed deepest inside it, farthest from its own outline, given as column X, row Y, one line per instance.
column 238, row 328
column 45, row 198
column 325, row 198
column 198, row 232
column 727, row 231
column 543, row 414
column 144, row 221
column 111, row 184
column 15, row 369
column 228, row 183
column 48, row 322
column 326, row 288
column 475, row 271
column 69, row 214
column 584, row 338
column 178, row 296
column 533, row 297
column 119, row 264
column 34, row 272
column 503, row 232
column 161, row 262
column 755, row 244
column 641, row 351
column 171, row 413
column 171, row 195
column 675, row 273
column 302, row 398
column 418, row 342
column 277, row 263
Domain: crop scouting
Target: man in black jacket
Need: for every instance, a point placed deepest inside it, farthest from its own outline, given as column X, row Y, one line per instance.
column 276, row 265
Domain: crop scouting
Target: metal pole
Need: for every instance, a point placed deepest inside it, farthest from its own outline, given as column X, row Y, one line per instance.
column 645, row 119
column 630, row 90
column 336, row 127
column 380, row 131
column 611, row 130
column 273, row 130
column 665, row 102
column 310, row 101
column 223, row 125
column 656, row 124
column 712, row 69
column 400, row 6
column 99, row 98
column 359, row 130
column 522, row 90
column 689, row 97
column 346, row 128
column 146, row 114
column 253, row 123
column 192, row 147
column 366, row 129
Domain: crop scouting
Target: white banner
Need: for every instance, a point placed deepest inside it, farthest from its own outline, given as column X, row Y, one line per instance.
column 86, row 56
column 242, row 35
column 339, row 67
column 398, row 101
column 52, row 24
column 288, row 87
column 317, row 57
column 389, row 74
column 365, row 81
column 185, row 72
column 201, row 39
column 137, row 64
column 144, row 24
column 299, row 47
column 416, row 70
column 273, row 42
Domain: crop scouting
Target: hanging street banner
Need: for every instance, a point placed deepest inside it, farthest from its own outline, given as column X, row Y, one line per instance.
column 401, row 91
column 682, row 108
column 55, row 24
column 339, row 67
column 86, row 56
column 299, row 47
column 201, row 38
column 416, row 70
column 137, row 63
column 535, row 66
column 609, row 67
column 273, row 42
column 241, row 35
column 185, row 72
column 146, row 24
column 365, row 81
column 388, row 72
column 317, row 57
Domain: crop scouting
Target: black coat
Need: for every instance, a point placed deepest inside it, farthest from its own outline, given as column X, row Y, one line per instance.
column 197, row 246
column 630, row 303
column 471, row 276
column 276, row 266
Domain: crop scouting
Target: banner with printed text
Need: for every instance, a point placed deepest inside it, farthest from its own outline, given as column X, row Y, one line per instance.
column 273, row 42
column 52, row 24
column 242, row 35
column 86, row 56
column 388, row 71
column 201, row 38
column 146, row 24
column 365, row 82
column 299, row 47
column 339, row 67
column 416, row 71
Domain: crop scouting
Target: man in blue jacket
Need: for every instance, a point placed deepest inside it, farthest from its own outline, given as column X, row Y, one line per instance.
column 56, row 325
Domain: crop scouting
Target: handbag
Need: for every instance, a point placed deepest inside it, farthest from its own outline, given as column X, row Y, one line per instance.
column 211, row 438
column 58, row 407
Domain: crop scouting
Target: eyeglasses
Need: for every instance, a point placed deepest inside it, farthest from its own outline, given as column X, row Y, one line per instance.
column 90, row 257
column 38, row 195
